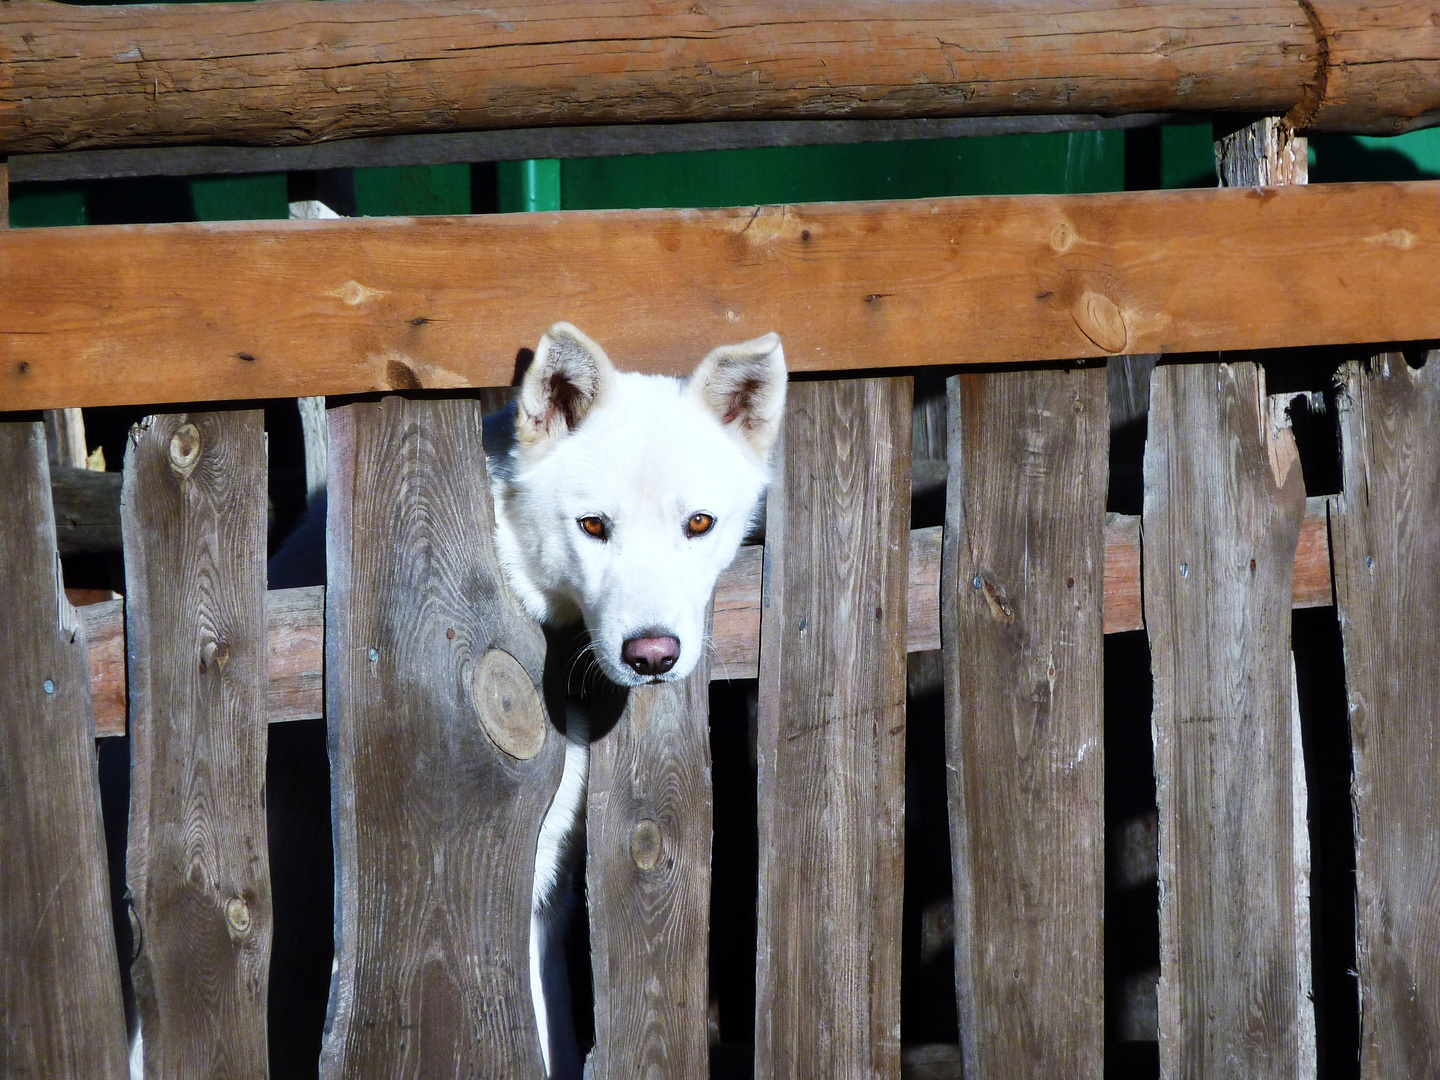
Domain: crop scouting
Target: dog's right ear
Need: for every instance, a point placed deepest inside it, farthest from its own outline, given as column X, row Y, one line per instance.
column 569, row 374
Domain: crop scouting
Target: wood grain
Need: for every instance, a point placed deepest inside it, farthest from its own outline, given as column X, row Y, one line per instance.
column 831, row 739
column 60, row 1005
column 296, row 620
column 87, row 509
column 1124, row 608
column 1023, row 611
column 1375, row 52
column 287, row 74
column 297, row 617
column 193, row 513
column 649, row 825
column 1387, row 546
column 110, row 315
column 105, row 654
column 1224, row 500
column 435, row 825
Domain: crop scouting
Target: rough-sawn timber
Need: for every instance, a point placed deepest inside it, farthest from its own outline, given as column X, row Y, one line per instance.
column 151, row 314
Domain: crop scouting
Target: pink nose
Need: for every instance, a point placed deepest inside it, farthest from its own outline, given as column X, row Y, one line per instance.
column 651, row 655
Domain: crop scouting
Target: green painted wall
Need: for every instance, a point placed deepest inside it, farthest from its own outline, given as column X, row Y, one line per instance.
column 1339, row 158
column 1012, row 164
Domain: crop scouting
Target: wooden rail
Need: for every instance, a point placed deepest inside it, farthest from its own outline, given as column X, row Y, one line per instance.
column 295, row 72
column 152, row 314
column 297, row 617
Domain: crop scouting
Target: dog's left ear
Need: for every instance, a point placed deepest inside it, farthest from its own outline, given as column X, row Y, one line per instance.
column 744, row 386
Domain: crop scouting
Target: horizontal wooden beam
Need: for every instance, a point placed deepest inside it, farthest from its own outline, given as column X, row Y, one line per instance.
column 518, row 144
column 292, row 71
column 297, row 617
column 243, row 310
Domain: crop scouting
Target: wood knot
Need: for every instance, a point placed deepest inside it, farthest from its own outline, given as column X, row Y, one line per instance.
column 1097, row 317
column 237, row 916
column 216, row 653
column 645, row 844
column 508, row 705
column 184, row 450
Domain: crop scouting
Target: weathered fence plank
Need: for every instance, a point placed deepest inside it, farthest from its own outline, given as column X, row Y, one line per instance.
column 443, row 760
column 648, row 872
column 1023, row 630
column 1387, row 550
column 60, row 1012
column 1224, row 501
column 832, row 734
column 193, row 514
column 110, row 315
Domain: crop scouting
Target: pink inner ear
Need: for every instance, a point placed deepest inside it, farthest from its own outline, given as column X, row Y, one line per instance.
column 740, row 400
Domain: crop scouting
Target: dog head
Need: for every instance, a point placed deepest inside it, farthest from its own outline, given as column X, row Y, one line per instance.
column 628, row 494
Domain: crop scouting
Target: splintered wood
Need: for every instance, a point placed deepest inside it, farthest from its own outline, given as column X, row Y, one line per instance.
column 443, row 756
column 648, row 875
column 1224, row 500
column 60, row 1005
column 1021, row 603
column 1387, row 585
column 193, row 516
column 831, row 739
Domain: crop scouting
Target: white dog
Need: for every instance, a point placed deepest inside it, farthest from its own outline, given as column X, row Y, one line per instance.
column 618, row 502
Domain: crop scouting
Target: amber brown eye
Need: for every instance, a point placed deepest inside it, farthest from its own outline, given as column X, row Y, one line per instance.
column 699, row 524
column 595, row 526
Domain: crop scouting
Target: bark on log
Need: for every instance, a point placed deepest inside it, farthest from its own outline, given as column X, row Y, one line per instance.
column 292, row 72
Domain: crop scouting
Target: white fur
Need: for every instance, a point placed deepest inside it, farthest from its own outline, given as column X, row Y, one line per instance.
column 644, row 453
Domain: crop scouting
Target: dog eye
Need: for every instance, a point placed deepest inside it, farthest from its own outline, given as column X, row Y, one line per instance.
column 699, row 524
column 594, row 526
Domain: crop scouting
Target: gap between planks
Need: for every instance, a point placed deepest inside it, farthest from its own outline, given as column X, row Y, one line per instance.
column 297, row 620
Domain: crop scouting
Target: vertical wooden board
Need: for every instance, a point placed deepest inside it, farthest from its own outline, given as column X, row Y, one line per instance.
column 1224, row 500
column 443, row 761
column 60, row 1012
column 648, row 878
column 1023, row 597
column 1386, row 536
column 193, row 517
column 832, row 734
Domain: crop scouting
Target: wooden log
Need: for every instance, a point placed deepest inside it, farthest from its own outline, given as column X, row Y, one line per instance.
column 60, row 1004
column 72, row 79
column 648, row 879
column 443, row 759
column 1387, row 547
column 193, row 509
column 1374, row 53
column 297, row 617
column 1224, row 500
column 87, row 509
column 1022, row 608
column 831, row 738
column 140, row 314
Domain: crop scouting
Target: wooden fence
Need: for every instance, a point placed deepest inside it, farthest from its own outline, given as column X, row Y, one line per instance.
column 444, row 762
column 443, row 756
